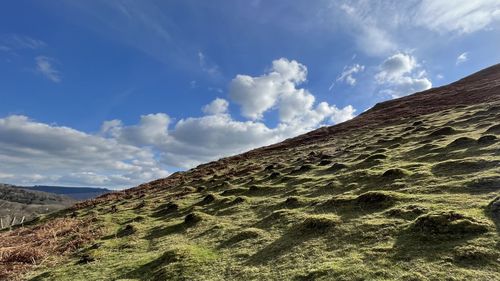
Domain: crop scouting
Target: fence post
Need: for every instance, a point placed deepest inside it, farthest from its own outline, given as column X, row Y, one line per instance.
column 12, row 222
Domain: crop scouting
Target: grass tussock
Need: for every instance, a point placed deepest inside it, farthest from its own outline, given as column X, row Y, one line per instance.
column 448, row 224
column 395, row 173
column 319, row 223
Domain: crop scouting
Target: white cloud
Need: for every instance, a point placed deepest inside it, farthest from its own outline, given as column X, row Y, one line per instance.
column 347, row 74
column 279, row 89
column 210, row 68
column 36, row 153
column 256, row 95
column 459, row 16
column 217, row 106
column 463, row 57
column 382, row 27
column 123, row 155
column 18, row 42
column 45, row 67
column 394, row 67
column 400, row 75
column 370, row 36
column 152, row 129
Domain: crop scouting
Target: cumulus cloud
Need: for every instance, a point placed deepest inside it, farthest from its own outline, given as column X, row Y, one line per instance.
column 33, row 152
column 256, row 95
column 217, row 106
column 44, row 65
column 400, row 75
column 152, row 129
column 347, row 74
column 463, row 57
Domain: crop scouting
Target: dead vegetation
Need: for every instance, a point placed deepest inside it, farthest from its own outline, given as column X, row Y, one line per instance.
column 26, row 247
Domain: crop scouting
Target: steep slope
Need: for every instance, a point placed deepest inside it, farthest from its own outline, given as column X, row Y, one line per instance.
column 20, row 205
column 406, row 191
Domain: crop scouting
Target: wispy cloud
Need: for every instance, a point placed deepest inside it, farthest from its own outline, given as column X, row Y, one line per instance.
column 459, row 16
column 463, row 57
column 44, row 65
column 347, row 74
column 369, row 35
column 209, row 67
column 18, row 42
column 383, row 27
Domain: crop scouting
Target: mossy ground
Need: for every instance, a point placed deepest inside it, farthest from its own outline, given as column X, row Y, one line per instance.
column 405, row 202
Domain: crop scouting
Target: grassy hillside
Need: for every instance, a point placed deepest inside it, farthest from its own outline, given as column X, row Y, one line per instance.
column 410, row 195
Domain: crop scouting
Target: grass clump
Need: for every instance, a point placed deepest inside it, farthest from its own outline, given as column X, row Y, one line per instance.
column 247, row 234
column 325, row 162
column 474, row 255
column 408, row 212
column 302, row 169
column 457, row 167
column 233, row 191
column 376, row 199
column 274, row 175
column 168, row 208
column 462, row 142
column 374, row 157
column 495, row 129
column 209, row 198
column 337, row 167
column 444, row 131
column 238, row 200
column 292, row 202
column 485, row 184
column 193, row 218
column 319, row 223
column 493, row 209
column 395, row 173
column 487, row 140
column 129, row 229
column 448, row 223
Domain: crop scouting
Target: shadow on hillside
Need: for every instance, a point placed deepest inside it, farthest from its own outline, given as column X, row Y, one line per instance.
column 152, row 270
column 409, row 246
column 41, row 277
column 279, row 247
column 310, row 228
column 158, row 232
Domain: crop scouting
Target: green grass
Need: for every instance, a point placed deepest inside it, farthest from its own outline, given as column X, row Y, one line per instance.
column 414, row 201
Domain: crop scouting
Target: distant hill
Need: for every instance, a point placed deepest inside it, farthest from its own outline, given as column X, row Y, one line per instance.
column 77, row 193
column 16, row 203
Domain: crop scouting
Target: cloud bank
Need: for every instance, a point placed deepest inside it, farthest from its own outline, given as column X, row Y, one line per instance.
column 121, row 155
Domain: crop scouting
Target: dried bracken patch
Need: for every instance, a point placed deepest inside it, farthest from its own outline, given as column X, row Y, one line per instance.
column 24, row 248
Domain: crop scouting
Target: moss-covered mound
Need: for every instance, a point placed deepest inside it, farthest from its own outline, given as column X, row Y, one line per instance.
column 449, row 224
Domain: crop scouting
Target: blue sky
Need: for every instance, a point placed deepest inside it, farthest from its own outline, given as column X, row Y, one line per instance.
column 115, row 93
